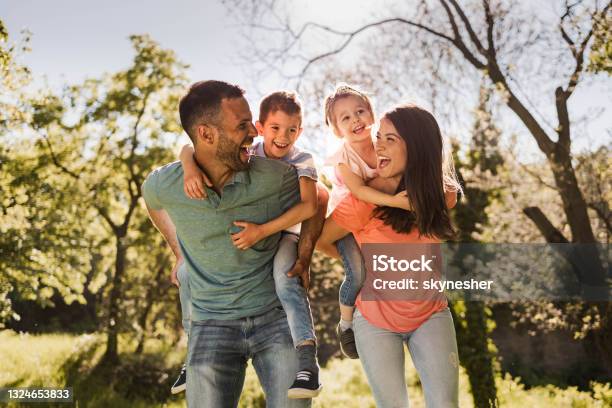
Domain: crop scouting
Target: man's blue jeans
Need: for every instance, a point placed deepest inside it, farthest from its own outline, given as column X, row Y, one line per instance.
column 218, row 355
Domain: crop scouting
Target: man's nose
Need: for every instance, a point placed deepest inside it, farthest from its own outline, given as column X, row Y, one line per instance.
column 252, row 130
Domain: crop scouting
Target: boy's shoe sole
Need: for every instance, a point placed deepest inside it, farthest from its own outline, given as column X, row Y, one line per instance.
column 179, row 388
column 299, row 393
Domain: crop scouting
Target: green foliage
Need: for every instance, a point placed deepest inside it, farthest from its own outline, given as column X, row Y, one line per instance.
column 70, row 193
column 600, row 56
column 62, row 360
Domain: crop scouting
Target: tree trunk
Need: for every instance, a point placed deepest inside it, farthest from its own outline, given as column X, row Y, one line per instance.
column 472, row 342
column 111, row 356
column 142, row 320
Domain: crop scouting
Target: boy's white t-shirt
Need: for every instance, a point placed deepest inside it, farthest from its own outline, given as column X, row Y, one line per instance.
column 303, row 163
column 347, row 155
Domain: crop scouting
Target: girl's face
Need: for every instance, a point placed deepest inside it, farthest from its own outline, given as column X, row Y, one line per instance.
column 352, row 119
column 391, row 150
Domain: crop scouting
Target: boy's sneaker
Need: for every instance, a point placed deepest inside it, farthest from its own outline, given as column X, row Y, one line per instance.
column 181, row 382
column 346, row 339
column 306, row 385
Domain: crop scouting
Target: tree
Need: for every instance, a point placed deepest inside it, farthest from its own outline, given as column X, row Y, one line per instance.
column 471, row 317
column 492, row 40
column 105, row 136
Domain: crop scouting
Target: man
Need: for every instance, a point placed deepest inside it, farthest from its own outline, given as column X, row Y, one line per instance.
column 236, row 314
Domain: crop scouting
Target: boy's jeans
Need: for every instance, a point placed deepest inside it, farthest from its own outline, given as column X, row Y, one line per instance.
column 184, row 296
column 433, row 348
column 218, row 355
column 354, row 269
column 291, row 293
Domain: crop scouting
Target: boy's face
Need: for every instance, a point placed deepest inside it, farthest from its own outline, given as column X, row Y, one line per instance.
column 352, row 119
column 280, row 131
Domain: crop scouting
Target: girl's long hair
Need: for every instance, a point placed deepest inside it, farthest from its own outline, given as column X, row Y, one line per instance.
column 428, row 174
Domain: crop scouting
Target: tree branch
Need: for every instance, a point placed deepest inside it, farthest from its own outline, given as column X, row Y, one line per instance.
column 351, row 35
column 468, row 27
column 548, row 230
column 56, row 161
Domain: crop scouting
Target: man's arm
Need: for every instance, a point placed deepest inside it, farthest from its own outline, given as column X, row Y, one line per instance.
column 309, row 234
column 165, row 226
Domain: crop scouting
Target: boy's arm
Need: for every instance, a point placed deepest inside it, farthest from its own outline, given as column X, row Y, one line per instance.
column 193, row 178
column 305, row 209
column 161, row 220
column 366, row 193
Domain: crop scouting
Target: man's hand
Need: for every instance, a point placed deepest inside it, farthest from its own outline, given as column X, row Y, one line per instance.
column 301, row 270
column 174, row 273
column 249, row 236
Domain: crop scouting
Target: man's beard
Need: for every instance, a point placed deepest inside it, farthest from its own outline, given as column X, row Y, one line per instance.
column 228, row 152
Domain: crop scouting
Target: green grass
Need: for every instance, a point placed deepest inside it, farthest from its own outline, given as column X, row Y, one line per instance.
column 58, row 360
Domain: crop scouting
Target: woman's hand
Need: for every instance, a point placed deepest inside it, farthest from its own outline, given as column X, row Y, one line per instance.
column 249, row 236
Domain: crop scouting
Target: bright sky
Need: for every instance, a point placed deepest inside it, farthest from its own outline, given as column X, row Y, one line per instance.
column 75, row 39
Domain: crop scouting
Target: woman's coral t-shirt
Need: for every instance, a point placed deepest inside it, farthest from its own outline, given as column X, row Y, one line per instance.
column 399, row 316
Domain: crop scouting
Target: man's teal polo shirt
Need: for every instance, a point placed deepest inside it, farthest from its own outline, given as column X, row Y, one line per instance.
column 226, row 282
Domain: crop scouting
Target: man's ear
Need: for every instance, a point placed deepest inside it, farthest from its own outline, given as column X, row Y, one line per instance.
column 206, row 134
column 260, row 128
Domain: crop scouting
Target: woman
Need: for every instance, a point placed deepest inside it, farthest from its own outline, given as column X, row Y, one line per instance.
column 410, row 157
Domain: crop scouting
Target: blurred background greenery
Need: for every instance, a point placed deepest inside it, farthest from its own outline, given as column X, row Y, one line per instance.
column 85, row 297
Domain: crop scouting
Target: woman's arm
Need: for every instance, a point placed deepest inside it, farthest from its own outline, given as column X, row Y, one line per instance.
column 332, row 232
column 368, row 194
column 305, row 209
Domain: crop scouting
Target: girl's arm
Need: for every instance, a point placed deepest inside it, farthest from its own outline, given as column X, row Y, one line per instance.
column 193, row 178
column 360, row 190
column 306, row 208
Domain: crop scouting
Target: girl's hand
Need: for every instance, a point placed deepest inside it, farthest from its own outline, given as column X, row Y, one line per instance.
column 400, row 200
column 249, row 236
column 193, row 183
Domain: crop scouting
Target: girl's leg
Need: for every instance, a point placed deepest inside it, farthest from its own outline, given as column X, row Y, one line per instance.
column 382, row 356
column 354, row 276
column 354, row 271
column 433, row 347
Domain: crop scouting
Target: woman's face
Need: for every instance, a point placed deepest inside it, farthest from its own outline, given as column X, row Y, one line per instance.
column 391, row 150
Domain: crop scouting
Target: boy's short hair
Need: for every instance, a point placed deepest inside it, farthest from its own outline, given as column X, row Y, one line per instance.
column 202, row 103
column 343, row 91
column 285, row 101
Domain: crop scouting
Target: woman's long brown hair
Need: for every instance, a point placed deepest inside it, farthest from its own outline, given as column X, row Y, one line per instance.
column 424, row 177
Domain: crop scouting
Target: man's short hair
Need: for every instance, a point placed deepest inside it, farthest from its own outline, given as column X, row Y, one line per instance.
column 202, row 103
column 285, row 101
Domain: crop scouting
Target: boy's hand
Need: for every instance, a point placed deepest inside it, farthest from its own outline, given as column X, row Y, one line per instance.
column 302, row 271
column 249, row 236
column 400, row 200
column 174, row 273
column 193, row 184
